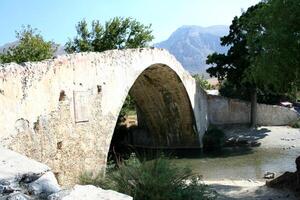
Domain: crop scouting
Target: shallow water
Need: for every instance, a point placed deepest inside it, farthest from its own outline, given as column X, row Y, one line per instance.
column 240, row 163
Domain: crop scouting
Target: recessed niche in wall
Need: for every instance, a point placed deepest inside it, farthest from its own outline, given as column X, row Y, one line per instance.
column 81, row 106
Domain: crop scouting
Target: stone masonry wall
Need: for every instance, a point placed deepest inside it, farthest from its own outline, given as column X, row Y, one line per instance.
column 223, row 110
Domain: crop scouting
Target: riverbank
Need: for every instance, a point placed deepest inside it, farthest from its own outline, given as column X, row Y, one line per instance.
column 248, row 190
column 283, row 141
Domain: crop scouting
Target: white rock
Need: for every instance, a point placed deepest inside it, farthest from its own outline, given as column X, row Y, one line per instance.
column 269, row 175
column 46, row 184
column 18, row 196
column 89, row 192
column 13, row 165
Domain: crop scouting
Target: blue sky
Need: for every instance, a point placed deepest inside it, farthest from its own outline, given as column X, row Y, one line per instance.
column 56, row 19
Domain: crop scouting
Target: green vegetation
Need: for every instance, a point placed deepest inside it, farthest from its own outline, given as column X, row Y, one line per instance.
column 234, row 65
column 274, row 47
column 263, row 56
column 202, row 82
column 213, row 139
column 157, row 179
column 30, row 47
column 296, row 124
column 117, row 33
column 264, row 52
column 128, row 107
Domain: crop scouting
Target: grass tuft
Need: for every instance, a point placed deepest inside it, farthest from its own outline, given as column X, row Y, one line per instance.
column 158, row 179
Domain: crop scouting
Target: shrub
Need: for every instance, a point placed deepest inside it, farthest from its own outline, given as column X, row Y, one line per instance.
column 158, row 179
column 202, row 82
column 97, row 180
column 213, row 139
column 296, row 124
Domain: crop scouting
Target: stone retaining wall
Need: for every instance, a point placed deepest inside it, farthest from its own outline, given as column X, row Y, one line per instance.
column 222, row 110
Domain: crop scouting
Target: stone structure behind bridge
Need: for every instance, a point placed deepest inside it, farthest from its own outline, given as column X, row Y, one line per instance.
column 222, row 111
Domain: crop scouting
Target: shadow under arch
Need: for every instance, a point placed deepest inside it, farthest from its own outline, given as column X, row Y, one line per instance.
column 165, row 115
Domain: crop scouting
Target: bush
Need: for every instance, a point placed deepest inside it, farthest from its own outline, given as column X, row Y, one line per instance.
column 202, row 82
column 158, row 179
column 97, row 180
column 296, row 124
column 213, row 139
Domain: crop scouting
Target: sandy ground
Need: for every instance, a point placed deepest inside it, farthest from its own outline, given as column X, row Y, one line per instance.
column 284, row 138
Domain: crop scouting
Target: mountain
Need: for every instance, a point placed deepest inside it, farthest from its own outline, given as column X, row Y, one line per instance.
column 192, row 44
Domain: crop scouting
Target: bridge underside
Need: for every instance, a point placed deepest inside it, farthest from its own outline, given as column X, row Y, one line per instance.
column 164, row 108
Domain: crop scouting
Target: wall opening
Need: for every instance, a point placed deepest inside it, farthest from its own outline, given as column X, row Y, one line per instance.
column 156, row 114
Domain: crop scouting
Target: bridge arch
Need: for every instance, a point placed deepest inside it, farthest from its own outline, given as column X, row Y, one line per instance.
column 63, row 111
column 165, row 115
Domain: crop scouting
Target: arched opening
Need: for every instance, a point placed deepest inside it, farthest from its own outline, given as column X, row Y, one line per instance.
column 162, row 116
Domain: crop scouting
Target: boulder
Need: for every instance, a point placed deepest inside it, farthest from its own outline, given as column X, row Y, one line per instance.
column 45, row 185
column 289, row 180
column 90, row 192
column 22, row 178
column 18, row 196
column 14, row 166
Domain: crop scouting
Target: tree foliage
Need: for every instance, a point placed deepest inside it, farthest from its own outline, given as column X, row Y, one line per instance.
column 264, row 51
column 117, row 33
column 30, row 47
column 202, row 82
column 277, row 65
column 128, row 106
column 233, row 65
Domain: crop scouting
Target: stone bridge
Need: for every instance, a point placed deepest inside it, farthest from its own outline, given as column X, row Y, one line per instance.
column 63, row 111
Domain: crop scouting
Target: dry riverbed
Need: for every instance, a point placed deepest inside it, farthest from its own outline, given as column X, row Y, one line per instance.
column 279, row 139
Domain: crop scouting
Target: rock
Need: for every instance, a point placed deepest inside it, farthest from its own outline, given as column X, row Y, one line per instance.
column 30, row 177
column 24, row 179
column 286, row 180
column 59, row 195
column 46, row 185
column 17, row 165
column 289, row 180
column 8, row 189
column 89, row 192
column 20, row 176
column 269, row 175
column 18, row 196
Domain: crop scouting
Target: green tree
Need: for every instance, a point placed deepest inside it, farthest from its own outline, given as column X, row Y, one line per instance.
column 30, row 47
column 233, row 66
column 277, row 65
column 202, row 82
column 117, row 33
